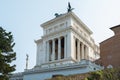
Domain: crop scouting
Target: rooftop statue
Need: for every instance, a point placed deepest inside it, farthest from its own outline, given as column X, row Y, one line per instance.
column 27, row 56
column 69, row 7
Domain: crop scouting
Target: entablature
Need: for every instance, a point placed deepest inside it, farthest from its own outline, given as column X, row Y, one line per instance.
column 61, row 32
column 83, row 38
column 65, row 20
column 56, row 27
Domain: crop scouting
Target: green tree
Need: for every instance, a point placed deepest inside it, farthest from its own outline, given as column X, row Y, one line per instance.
column 7, row 54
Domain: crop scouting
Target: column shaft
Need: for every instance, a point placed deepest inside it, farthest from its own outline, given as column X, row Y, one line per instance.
column 53, row 49
column 59, row 48
column 65, row 51
column 78, row 50
column 47, row 55
column 82, row 51
column 74, row 48
column 87, row 53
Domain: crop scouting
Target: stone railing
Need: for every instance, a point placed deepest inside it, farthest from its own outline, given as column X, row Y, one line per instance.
column 83, row 63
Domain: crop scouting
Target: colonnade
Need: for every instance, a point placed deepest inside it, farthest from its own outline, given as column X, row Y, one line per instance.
column 56, row 48
column 80, row 50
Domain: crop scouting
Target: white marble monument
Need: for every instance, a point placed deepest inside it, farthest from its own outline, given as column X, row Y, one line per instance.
column 66, row 40
column 65, row 48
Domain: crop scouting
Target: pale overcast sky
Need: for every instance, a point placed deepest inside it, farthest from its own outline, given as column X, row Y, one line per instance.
column 23, row 19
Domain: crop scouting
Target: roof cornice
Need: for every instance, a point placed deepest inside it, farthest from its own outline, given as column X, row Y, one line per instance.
column 55, row 19
column 80, row 22
column 65, row 15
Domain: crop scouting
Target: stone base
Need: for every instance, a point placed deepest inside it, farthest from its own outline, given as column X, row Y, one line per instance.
column 39, row 73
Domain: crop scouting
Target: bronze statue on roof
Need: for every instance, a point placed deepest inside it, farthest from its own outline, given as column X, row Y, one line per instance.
column 69, row 7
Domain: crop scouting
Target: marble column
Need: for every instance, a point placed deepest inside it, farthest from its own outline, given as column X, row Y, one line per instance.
column 45, row 51
column 59, row 48
column 70, row 45
column 82, row 51
column 65, row 46
column 48, row 52
column 78, row 50
column 87, row 53
column 74, row 47
column 53, row 49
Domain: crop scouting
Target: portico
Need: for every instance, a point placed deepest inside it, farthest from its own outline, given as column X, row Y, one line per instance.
column 80, row 50
column 56, row 49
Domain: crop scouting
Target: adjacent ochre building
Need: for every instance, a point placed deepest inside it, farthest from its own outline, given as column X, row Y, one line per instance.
column 65, row 48
column 110, row 49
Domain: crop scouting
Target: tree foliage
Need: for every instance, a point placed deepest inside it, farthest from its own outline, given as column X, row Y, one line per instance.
column 7, row 54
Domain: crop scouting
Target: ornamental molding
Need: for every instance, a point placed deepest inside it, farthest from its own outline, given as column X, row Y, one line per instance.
column 82, row 37
column 60, row 32
column 71, row 66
